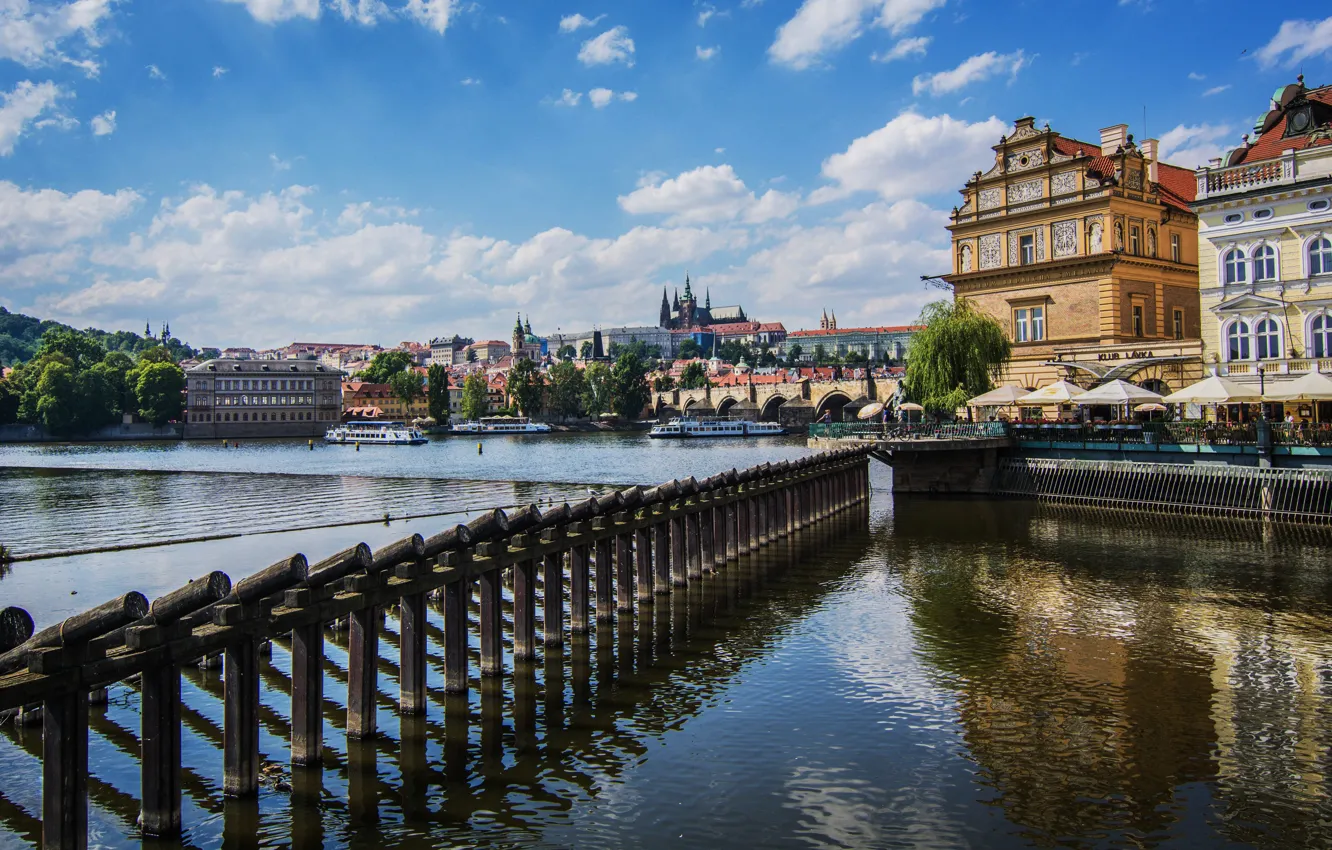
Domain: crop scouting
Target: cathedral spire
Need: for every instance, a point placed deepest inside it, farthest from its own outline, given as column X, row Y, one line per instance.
column 665, row 320
column 147, row 330
column 689, row 293
column 676, row 304
column 527, row 326
column 707, row 299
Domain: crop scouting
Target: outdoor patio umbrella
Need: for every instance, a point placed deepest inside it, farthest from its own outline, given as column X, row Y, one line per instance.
column 869, row 411
column 1116, row 392
column 1060, row 392
column 1314, row 386
column 1215, row 390
column 998, row 397
column 1149, row 407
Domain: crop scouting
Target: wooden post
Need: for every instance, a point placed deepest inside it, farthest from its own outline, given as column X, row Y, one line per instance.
column 706, row 544
column 624, row 569
column 605, row 572
column 742, row 522
column 240, row 725
column 755, row 517
column 661, row 553
column 362, row 673
column 457, row 599
column 732, row 528
column 764, row 510
column 788, row 509
column 65, row 771
column 307, row 694
column 643, row 563
column 492, row 623
column 524, row 610
column 719, row 530
column 553, row 601
column 412, row 654
column 694, row 542
column 159, row 752
column 678, row 550
column 578, row 589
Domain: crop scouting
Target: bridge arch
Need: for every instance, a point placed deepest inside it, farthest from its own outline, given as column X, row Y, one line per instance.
column 771, row 407
column 725, row 404
column 832, row 403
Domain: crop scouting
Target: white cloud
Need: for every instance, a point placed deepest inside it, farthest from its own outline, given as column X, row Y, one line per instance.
column 628, row 96
column 568, row 98
column 719, row 150
column 600, row 98
column 1296, row 41
column 706, row 53
column 709, row 193
column 1194, row 75
column 46, row 218
column 432, row 14
column 25, row 105
column 912, row 154
column 364, row 12
column 104, row 124
column 32, row 31
column 218, row 71
column 822, row 26
column 1190, row 147
column 706, row 13
column 274, row 11
column 155, row 73
column 576, row 21
column 279, row 164
column 1215, row 90
column 975, row 69
column 105, row 293
column 613, row 45
column 471, row 81
column 904, row 49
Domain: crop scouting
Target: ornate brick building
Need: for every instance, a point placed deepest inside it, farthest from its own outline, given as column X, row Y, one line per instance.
column 1087, row 255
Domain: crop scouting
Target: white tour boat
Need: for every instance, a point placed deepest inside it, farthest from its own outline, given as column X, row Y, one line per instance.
column 500, row 425
column 690, row 426
column 375, row 433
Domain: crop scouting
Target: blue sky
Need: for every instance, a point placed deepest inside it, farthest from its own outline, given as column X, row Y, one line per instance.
column 258, row 171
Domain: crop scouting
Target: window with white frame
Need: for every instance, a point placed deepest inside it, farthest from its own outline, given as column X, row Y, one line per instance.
column 1320, row 335
column 1237, row 340
column 1264, row 263
column 1320, row 256
column 1174, row 247
column 1236, row 267
column 1267, row 338
column 1029, row 324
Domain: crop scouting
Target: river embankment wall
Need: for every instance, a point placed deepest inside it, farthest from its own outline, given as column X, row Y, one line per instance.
column 132, row 431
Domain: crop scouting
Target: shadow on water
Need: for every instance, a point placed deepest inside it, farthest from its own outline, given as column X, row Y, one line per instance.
column 1117, row 676
column 499, row 765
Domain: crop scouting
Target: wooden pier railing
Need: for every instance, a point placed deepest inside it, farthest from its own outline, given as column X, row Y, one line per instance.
column 616, row 551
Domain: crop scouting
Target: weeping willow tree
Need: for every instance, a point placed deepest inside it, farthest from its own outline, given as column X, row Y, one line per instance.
column 957, row 356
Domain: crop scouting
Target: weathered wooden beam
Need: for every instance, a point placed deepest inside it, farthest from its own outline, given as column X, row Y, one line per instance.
column 524, row 610
column 457, row 599
column 678, row 550
column 363, row 673
column 112, row 614
column 344, row 563
column 552, row 580
column 579, row 591
column 643, row 562
column 693, row 548
column 240, row 713
column 492, row 624
column 159, row 752
column 491, row 525
column 65, row 771
column 412, row 660
column 661, row 552
column 307, row 694
column 605, row 572
column 15, row 628
column 408, row 549
column 624, row 567
column 706, row 541
column 457, row 537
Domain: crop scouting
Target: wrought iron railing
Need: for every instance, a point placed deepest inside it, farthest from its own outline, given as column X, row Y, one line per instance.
column 910, row 430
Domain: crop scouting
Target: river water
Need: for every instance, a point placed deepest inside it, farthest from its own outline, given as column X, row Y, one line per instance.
column 930, row 674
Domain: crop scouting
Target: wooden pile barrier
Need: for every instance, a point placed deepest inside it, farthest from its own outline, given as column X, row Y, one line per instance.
column 618, row 551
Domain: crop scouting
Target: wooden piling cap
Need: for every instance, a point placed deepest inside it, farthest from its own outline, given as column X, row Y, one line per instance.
column 202, row 591
column 649, row 496
column 609, row 503
column 407, row 549
column 450, row 538
column 583, row 510
column 553, row 515
column 669, row 490
column 689, row 486
column 523, row 519
column 631, row 497
column 489, row 526
column 732, row 477
column 15, row 627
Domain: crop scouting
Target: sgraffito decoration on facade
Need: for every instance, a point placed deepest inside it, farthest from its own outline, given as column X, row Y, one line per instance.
column 1024, row 160
column 1063, row 183
column 1012, row 248
column 1065, row 235
column 1040, row 244
column 988, row 199
column 990, row 248
column 1027, row 190
column 1134, row 179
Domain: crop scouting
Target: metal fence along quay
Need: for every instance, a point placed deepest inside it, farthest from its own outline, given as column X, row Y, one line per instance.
column 603, row 557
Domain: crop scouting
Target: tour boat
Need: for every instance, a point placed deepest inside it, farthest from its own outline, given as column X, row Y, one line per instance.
column 500, row 425
column 375, row 433
column 690, row 426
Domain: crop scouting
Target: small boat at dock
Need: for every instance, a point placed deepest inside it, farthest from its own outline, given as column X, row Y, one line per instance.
column 683, row 427
column 375, row 433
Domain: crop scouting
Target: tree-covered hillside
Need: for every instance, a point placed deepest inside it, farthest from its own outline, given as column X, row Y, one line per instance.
column 20, row 336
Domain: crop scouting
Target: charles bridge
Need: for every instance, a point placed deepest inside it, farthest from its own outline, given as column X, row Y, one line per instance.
column 794, row 404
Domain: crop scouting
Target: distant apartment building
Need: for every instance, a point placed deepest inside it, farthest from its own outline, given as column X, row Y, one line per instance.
column 874, row 343
column 228, row 398
column 448, row 351
column 239, row 354
column 750, row 333
column 362, row 400
column 489, row 350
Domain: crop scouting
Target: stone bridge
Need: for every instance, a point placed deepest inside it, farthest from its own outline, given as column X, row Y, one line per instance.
column 794, row 404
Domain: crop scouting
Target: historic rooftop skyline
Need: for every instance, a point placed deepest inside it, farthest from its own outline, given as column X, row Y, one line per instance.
column 260, row 170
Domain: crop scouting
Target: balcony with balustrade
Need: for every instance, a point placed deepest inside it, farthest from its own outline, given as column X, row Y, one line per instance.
column 1289, row 168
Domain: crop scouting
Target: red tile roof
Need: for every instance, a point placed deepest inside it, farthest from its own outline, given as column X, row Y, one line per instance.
column 772, row 326
column 1270, row 144
column 1177, row 186
column 734, row 328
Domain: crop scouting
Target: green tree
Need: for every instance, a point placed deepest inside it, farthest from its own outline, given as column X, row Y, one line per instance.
column 959, row 354
column 689, row 349
column 476, row 397
column 156, row 354
column 385, row 365
column 567, row 387
column 733, row 351
column 526, row 387
column 55, row 402
column 437, row 393
column 471, row 355
column 663, row 384
column 9, row 402
column 406, row 387
column 160, row 389
column 566, row 352
column 209, row 353
column 793, row 354
column 629, row 386
column 694, row 376
column 856, row 358
column 585, row 350
column 82, row 350
column 597, row 389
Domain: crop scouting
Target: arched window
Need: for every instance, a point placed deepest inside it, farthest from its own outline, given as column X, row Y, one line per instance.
column 1236, row 267
column 1264, row 263
column 1320, row 336
column 1238, row 340
column 1267, row 335
column 1320, row 256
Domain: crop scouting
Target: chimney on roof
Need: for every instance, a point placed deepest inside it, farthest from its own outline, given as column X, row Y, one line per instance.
column 1113, row 138
column 1150, row 149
